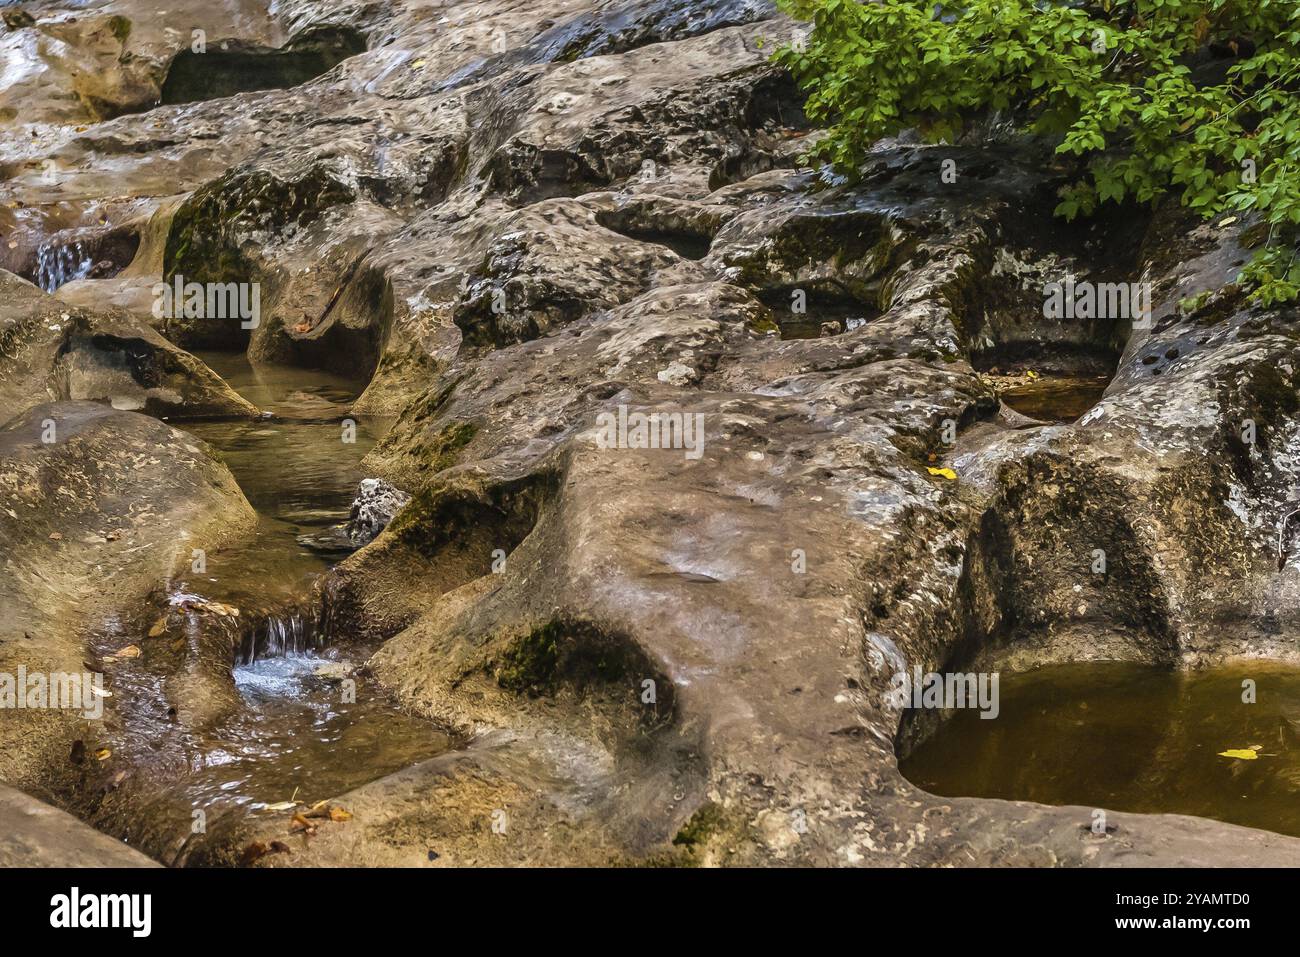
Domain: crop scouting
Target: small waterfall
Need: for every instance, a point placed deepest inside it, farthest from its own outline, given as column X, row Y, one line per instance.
column 278, row 635
column 57, row 264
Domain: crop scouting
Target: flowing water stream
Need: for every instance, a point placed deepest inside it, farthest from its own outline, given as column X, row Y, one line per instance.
column 57, row 264
column 1130, row 737
column 301, row 723
column 1102, row 735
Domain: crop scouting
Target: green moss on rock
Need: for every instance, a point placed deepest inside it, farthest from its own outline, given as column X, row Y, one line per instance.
column 531, row 662
column 209, row 227
column 706, row 823
column 120, row 26
column 583, row 659
column 445, row 448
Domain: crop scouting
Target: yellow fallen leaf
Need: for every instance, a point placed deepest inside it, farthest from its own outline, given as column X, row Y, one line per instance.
column 158, row 628
column 218, row 608
column 338, row 815
column 1243, row 754
column 282, row 806
column 130, row 651
column 103, row 754
column 946, row 473
column 1032, row 374
column 1229, row 221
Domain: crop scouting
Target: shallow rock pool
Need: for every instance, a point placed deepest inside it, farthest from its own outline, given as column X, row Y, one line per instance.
column 1131, row 737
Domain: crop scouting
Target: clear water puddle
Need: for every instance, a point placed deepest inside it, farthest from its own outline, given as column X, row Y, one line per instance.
column 296, row 471
column 306, row 726
column 1130, row 738
column 297, row 738
column 1055, row 398
column 824, row 315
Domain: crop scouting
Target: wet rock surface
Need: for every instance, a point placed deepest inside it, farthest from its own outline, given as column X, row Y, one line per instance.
column 37, row 835
column 97, row 506
column 531, row 227
column 54, row 351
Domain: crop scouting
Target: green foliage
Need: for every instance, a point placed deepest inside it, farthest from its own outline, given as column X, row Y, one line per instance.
column 1140, row 97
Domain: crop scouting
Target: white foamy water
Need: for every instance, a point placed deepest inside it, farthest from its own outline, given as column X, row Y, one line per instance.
column 56, row 265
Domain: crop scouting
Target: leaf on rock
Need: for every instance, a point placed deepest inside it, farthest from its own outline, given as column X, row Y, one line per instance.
column 216, row 607
column 258, row 849
column 1242, row 754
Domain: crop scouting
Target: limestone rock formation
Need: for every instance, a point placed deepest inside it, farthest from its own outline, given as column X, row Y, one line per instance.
column 37, row 835
column 51, row 351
